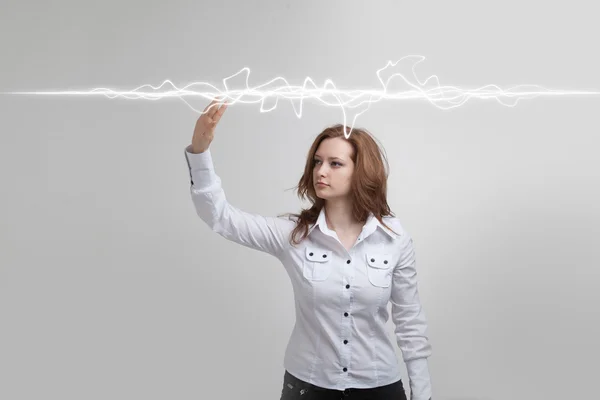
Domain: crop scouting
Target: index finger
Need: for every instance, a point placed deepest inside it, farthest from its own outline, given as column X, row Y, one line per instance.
column 214, row 101
column 219, row 113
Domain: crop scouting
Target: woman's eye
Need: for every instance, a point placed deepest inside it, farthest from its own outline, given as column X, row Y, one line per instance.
column 333, row 163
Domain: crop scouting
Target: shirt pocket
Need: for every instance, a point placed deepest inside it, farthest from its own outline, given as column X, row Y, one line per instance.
column 317, row 263
column 380, row 269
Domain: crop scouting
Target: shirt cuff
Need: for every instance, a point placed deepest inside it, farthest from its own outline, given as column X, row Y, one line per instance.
column 198, row 160
column 200, row 167
column 420, row 382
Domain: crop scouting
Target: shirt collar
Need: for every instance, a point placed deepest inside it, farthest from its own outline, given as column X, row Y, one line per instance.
column 370, row 226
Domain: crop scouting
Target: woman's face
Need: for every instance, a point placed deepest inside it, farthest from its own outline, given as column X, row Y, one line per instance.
column 332, row 164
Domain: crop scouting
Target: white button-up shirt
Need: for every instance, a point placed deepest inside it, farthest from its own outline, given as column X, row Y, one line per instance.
column 339, row 339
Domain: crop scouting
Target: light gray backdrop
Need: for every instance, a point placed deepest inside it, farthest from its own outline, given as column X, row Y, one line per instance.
column 112, row 288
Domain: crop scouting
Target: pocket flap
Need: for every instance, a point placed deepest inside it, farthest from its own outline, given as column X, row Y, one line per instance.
column 318, row 255
column 379, row 260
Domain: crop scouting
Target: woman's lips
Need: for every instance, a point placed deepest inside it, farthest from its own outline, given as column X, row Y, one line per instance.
column 321, row 184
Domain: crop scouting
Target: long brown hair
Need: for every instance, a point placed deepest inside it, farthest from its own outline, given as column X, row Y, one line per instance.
column 368, row 186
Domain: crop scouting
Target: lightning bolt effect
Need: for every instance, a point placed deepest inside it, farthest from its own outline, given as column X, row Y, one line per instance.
column 355, row 102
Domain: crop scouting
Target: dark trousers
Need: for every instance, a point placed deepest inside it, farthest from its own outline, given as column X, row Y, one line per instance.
column 296, row 389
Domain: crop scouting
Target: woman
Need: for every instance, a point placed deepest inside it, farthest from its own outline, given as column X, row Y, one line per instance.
column 347, row 256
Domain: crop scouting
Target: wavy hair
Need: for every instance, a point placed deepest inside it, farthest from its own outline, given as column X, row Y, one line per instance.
column 368, row 190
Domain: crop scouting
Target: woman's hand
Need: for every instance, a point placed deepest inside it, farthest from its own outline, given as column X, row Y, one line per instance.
column 204, row 131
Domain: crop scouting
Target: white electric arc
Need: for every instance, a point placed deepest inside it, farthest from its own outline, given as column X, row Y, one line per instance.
column 355, row 101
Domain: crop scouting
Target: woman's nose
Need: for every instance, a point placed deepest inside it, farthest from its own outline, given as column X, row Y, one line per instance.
column 322, row 169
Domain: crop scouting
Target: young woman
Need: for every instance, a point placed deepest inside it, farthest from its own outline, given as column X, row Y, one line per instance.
column 347, row 256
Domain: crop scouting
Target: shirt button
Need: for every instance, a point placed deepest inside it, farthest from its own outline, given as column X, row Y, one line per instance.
column 348, row 262
column 310, row 254
column 345, row 369
column 345, row 314
column 345, row 342
column 347, row 286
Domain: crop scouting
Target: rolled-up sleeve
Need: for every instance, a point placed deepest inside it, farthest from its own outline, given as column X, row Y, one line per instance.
column 410, row 321
column 263, row 233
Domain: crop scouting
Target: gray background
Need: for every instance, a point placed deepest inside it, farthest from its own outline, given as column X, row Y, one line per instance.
column 112, row 288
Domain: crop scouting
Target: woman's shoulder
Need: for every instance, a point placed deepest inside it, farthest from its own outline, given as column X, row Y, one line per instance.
column 396, row 224
column 288, row 221
column 289, row 217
